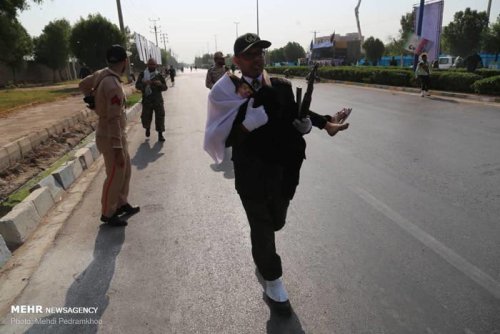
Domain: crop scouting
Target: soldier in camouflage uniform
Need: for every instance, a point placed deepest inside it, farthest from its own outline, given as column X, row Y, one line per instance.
column 215, row 72
column 151, row 83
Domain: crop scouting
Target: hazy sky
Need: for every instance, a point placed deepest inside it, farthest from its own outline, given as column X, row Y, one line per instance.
column 195, row 27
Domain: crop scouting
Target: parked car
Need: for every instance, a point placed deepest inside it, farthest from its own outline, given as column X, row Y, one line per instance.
column 446, row 62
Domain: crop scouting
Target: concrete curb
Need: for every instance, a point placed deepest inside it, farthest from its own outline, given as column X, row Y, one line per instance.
column 21, row 147
column 5, row 253
column 85, row 156
column 18, row 224
column 55, row 188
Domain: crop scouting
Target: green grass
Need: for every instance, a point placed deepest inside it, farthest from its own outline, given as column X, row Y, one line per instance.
column 14, row 98
column 133, row 98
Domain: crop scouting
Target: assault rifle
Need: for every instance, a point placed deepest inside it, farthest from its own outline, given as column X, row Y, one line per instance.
column 304, row 104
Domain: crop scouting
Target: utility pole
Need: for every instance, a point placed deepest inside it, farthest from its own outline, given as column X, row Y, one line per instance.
column 164, row 39
column 236, row 23
column 258, row 18
column 314, row 32
column 120, row 16
column 488, row 11
column 419, row 29
column 122, row 29
column 215, row 37
column 155, row 28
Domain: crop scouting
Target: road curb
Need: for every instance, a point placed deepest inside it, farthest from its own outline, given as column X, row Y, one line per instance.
column 85, row 156
column 17, row 225
column 5, row 253
column 480, row 98
column 21, row 147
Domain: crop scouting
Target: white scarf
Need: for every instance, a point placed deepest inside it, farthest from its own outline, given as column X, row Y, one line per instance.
column 223, row 106
column 147, row 76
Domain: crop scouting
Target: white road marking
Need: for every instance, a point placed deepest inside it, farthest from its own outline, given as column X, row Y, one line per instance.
column 467, row 268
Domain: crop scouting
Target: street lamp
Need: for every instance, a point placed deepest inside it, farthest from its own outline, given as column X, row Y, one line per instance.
column 258, row 18
column 236, row 23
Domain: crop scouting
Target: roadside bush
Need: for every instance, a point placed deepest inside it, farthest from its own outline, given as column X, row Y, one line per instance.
column 448, row 80
column 487, row 72
column 454, row 81
column 489, row 86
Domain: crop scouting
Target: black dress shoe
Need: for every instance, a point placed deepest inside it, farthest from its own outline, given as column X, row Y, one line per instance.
column 127, row 209
column 148, row 133
column 281, row 308
column 160, row 137
column 114, row 220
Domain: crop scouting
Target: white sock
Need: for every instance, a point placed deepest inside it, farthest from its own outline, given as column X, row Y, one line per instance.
column 276, row 290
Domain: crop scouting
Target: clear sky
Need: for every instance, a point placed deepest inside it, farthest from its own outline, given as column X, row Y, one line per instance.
column 195, row 27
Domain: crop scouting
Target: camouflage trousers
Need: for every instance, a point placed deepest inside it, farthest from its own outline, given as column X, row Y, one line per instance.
column 147, row 116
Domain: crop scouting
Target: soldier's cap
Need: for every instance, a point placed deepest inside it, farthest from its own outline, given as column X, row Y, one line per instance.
column 247, row 41
column 219, row 54
column 115, row 54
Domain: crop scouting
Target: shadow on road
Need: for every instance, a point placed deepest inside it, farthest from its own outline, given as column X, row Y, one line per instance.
column 277, row 324
column 441, row 99
column 226, row 166
column 90, row 288
column 146, row 154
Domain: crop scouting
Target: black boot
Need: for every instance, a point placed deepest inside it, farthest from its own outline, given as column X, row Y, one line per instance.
column 127, row 209
column 160, row 136
column 114, row 220
column 148, row 133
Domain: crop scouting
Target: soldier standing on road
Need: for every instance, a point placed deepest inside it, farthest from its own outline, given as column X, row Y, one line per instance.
column 268, row 150
column 171, row 72
column 217, row 70
column 111, row 139
column 151, row 83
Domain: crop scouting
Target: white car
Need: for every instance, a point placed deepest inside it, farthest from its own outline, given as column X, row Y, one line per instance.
column 446, row 62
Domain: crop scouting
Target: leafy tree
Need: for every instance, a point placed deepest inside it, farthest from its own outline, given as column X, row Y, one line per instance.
column 374, row 49
column 397, row 46
column 204, row 61
column 293, row 51
column 407, row 24
column 164, row 57
column 52, row 46
column 463, row 35
column 91, row 37
column 10, row 7
column 277, row 55
column 15, row 43
column 491, row 39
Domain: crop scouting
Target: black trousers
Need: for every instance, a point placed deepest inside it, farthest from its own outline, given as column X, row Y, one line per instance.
column 266, row 216
column 424, row 82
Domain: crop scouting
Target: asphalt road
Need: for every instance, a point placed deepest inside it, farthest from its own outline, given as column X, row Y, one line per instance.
column 394, row 229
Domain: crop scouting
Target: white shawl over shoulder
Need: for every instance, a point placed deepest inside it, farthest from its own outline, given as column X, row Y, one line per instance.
column 223, row 106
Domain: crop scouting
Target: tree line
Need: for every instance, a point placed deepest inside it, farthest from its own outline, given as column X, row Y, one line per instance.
column 468, row 33
column 87, row 41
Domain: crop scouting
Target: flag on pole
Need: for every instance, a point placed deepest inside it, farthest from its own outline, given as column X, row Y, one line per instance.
column 332, row 38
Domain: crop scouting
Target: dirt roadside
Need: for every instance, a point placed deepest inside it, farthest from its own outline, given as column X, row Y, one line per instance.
column 25, row 121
